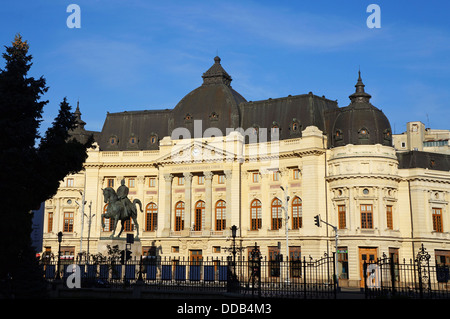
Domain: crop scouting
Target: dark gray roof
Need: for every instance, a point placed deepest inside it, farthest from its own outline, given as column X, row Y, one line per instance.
column 360, row 123
column 418, row 159
column 136, row 130
column 290, row 114
column 218, row 105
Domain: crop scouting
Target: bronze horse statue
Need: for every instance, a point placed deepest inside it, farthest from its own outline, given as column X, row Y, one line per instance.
column 120, row 210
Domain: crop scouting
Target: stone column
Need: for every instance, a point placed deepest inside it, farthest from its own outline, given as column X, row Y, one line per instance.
column 166, row 210
column 187, row 202
column 140, row 185
column 228, row 198
column 208, row 201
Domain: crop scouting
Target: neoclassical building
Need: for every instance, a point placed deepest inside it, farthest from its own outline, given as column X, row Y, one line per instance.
column 268, row 167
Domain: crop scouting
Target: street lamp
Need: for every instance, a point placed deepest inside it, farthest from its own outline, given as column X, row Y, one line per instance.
column 233, row 235
column 233, row 284
column 60, row 234
column 89, row 229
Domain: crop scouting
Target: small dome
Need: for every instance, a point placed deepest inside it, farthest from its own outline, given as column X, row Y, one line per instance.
column 361, row 123
column 215, row 103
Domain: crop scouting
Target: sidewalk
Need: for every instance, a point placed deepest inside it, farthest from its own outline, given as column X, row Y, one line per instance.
column 350, row 293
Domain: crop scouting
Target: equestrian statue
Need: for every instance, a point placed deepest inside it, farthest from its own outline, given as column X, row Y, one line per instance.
column 120, row 207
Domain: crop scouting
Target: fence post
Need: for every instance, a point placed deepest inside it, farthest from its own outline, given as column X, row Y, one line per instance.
column 335, row 276
column 304, row 277
column 366, row 292
column 392, row 267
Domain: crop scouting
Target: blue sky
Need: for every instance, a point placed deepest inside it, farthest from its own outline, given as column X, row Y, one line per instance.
column 138, row 54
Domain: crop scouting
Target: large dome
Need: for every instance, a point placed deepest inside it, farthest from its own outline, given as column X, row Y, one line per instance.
column 215, row 103
column 361, row 123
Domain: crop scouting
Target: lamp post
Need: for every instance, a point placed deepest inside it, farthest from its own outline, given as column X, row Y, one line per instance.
column 233, row 283
column 233, row 235
column 60, row 234
column 83, row 202
column 89, row 228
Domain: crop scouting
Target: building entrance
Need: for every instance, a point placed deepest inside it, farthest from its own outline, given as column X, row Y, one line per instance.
column 366, row 255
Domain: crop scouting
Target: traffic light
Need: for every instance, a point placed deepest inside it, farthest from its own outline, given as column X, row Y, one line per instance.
column 317, row 220
column 125, row 255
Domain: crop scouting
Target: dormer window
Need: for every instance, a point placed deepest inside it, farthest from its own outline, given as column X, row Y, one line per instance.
column 387, row 135
column 363, row 133
column 275, row 128
column 295, row 126
column 214, row 116
column 113, row 140
column 133, row 140
column 153, row 139
column 188, row 118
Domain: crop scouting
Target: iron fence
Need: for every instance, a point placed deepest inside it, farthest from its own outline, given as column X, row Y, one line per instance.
column 258, row 277
column 418, row 278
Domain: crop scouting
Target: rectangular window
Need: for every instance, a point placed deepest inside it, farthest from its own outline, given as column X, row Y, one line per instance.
column 274, row 261
column 221, row 179
column 152, row 182
column 255, row 177
column 50, row 222
column 342, row 217
column 276, row 176
column 343, row 262
column 201, row 180
column 67, row 253
column 295, row 262
column 296, row 174
column 366, row 216
column 131, row 183
column 437, row 219
column 70, row 182
column 180, row 181
column 129, row 225
column 389, row 222
column 110, row 182
column 68, row 222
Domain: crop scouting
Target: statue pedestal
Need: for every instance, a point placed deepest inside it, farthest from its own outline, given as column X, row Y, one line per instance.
column 135, row 248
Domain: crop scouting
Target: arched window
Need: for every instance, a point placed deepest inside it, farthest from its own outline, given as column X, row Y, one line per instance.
column 221, row 209
column 129, row 225
column 276, row 214
column 179, row 216
column 363, row 133
column 108, row 222
column 151, row 217
column 256, row 214
column 296, row 213
column 199, row 215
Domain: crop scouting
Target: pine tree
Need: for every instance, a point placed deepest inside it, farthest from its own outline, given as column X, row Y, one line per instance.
column 31, row 167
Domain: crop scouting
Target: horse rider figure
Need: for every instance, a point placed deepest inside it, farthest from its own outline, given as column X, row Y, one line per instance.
column 122, row 194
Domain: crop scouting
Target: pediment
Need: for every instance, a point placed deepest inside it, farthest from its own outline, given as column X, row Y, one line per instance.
column 193, row 151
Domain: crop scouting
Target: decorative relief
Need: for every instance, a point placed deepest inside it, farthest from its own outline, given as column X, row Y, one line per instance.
column 168, row 177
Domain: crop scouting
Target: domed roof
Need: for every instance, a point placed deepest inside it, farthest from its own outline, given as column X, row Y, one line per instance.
column 361, row 123
column 215, row 103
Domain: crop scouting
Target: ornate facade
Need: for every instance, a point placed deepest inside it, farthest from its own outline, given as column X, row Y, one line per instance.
column 217, row 160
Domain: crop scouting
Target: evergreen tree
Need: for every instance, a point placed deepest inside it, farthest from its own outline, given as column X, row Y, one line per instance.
column 30, row 167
